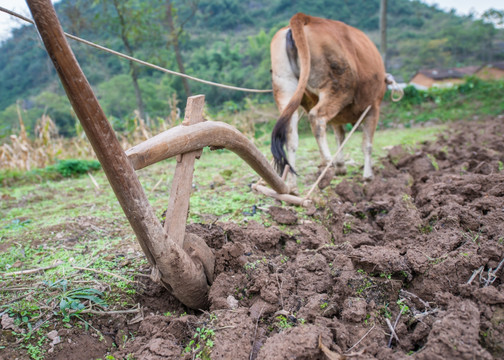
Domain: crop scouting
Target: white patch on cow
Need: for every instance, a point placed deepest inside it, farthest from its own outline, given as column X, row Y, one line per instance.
column 283, row 77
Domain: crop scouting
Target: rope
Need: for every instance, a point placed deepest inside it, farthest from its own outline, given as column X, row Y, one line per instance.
column 397, row 93
column 145, row 63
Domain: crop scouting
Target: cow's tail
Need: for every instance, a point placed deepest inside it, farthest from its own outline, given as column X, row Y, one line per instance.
column 279, row 135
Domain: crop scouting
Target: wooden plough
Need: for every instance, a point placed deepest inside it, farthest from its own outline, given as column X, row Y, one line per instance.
column 182, row 262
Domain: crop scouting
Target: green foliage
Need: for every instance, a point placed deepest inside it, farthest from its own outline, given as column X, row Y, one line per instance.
column 71, row 301
column 201, row 343
column 403, row 307
column 62, row 169
column 73, row 167
column 282, row 323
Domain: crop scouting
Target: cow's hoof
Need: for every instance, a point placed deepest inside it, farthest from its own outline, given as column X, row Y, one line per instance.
column 340, row 170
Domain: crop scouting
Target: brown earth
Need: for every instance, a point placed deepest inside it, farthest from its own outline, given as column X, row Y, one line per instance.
column 419, row 249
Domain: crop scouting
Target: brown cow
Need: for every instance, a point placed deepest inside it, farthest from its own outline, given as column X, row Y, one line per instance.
column 334, row 71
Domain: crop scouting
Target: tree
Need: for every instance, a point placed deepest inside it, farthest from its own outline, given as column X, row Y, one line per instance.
column 495, row 16
column 134, row 21
column 175, row 32
column 383, row 31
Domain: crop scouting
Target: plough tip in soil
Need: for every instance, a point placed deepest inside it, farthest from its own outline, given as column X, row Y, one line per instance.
column 182, row 262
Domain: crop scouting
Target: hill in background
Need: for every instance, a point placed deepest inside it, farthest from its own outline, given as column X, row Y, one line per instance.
column 224, row 41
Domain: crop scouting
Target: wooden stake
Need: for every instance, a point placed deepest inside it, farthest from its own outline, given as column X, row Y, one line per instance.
column 178, row 205
column 291, row 199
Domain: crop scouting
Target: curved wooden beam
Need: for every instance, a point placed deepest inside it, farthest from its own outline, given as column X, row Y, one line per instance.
column 184, row 139
column 179, row 273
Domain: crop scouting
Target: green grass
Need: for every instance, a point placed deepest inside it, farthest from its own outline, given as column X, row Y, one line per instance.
column 463, row 101
column 61, row 169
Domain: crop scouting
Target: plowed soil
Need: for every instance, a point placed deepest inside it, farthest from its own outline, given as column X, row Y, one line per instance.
column 409, row 265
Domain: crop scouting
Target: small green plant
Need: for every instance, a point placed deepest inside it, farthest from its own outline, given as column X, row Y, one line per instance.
column 283, row 323
column 385, row 311
column 73, row 167
column 71, row 301
column 501, row 166
column 386, row 276
column 284, row 259
column 253, row 265
column 433, row 161
column 402, row 306
column 404, row 274
column 35, row 352
column 201, row 343
column 347, row 227
column 426, row 229
column 324, row 305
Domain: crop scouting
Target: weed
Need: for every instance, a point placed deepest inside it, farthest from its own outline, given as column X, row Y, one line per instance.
column 433, row 161
column 385, row 311
column 347, row 227
column 406, row 198
column 253, row 265
column 501, row 166
column 402, row 306
column 471, row 236
column 201, row 343
column 386, row 276
column 70, row 301
column 282, row 323
column 17, row 224
column 324, row 305
column 35, row 351
column 426, row 229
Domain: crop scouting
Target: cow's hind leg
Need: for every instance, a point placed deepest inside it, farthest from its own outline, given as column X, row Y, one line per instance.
column 368, row 130
column 339, row 162
column 319, row 116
